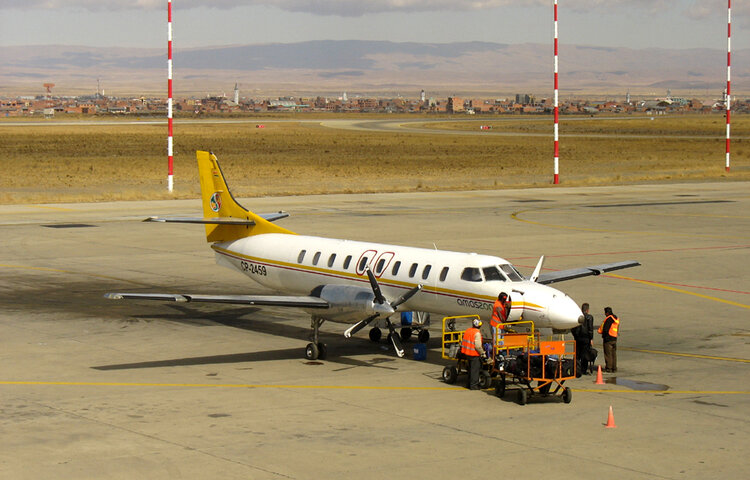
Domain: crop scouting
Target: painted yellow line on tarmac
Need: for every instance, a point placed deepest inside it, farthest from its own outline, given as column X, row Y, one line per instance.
column 679, row 290
column 691, row 355
column 225, row 385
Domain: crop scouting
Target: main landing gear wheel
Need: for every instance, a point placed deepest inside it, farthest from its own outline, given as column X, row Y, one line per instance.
column 312, row 352
column 500, row 387
column 322, row 351
column 405, row 334
column 485, row 380
column 450, row 375
column 423, row 336
column 522, row 396
column 567, row 395
column 375, row 334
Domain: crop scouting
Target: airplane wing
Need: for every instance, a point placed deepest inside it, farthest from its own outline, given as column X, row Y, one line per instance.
column 265, row 300
column 552, row 277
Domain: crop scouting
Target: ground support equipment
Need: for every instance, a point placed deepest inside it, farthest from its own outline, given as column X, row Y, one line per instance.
column 522, row 358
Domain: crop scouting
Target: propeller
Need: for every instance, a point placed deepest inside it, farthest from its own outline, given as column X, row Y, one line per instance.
column 390, row 309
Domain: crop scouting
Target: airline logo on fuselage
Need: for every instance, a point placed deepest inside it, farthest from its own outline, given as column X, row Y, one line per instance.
column 216, row 202
column 467, row 302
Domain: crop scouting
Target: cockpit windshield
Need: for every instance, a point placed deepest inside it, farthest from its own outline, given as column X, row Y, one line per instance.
column 511, row 272
column 492, row 273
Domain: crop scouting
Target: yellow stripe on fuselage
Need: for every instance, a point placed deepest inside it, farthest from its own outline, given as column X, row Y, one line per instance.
column 363, row 279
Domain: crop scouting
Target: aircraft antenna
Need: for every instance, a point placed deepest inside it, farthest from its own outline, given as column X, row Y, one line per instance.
column 170, row 157
column 729, row 66
column 557, row 146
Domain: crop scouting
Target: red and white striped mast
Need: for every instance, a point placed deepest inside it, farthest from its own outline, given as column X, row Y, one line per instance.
column 170, row 158
column 557, row 146
column 729, row 77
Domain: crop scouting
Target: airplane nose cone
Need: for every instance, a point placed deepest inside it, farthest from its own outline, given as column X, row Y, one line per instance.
column 564, row 313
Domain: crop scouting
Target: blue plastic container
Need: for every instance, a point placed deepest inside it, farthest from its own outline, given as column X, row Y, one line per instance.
column 420, row 351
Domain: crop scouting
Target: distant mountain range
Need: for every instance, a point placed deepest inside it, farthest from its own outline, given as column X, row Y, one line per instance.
column 373, row 68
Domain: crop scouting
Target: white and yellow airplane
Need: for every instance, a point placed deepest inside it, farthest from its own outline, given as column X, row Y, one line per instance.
column 358, row 282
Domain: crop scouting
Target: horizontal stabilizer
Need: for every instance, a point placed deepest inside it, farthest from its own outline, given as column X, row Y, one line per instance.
column 271, row 217
column 264, row 300
column 552, row 277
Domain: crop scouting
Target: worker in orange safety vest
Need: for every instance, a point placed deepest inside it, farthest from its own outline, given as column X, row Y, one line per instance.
column 609, row 330
column 471, row 348
column 500, row 313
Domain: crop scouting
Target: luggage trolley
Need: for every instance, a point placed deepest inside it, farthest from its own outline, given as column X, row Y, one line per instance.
column 453, row 331
column 523, row 358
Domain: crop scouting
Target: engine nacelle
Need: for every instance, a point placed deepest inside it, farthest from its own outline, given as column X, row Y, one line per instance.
column 349, row 303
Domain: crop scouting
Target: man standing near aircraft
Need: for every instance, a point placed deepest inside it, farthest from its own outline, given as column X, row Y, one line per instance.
column 609, row 330
column 471, row 347
column 500, row 313
column 584, row 337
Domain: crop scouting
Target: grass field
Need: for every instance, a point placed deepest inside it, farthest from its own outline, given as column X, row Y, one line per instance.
column 67, row 163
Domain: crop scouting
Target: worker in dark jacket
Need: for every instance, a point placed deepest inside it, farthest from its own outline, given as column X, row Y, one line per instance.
column 584, row 337
column 610, row 330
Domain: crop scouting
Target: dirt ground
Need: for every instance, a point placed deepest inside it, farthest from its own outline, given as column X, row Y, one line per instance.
column 104, row 160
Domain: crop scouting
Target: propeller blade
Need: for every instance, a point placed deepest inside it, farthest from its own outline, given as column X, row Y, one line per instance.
column 359, row 326
column 406, row 296
column 537, row 270
column 395, row 339
column 379, row 298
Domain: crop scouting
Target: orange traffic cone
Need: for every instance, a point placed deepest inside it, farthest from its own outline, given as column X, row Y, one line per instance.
column 599, row 379
column 610, row 419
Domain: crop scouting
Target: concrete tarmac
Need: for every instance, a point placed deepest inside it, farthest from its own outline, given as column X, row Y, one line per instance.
column 93, row 388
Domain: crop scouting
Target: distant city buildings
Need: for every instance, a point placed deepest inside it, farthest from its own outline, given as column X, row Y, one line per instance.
column 48, row 105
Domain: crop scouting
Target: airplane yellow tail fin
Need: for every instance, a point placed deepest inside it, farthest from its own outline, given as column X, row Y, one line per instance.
column 225, row 218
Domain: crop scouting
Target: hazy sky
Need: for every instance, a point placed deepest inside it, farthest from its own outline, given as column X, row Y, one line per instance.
column 142, row 23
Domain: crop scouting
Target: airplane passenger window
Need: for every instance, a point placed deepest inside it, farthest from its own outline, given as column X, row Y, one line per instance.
column 511, row 272
column 331, row 259
column 316, row 257
column 471, row 274
column 363, row 264
column 492, row 273
column 379, row 267
column 444, row 274
column 347, row 261
column 413, row 270
column 396, row 266
column 426, row 272
column 301, row 256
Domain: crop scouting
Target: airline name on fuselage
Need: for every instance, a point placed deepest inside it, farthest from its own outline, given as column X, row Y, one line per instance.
column 467, row 302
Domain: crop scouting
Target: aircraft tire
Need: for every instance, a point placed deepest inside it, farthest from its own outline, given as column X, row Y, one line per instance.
column 405, row 334
column 375, row 334
column 311, row 351
column 423, row 336
column 522, row 396
column 322, row 351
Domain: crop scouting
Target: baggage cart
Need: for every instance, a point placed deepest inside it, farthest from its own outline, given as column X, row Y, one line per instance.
column 521, row 357
column 453, row 331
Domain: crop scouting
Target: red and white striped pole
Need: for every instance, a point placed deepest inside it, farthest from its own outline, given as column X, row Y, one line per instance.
column 557, row 146
column 729, row 77
column 170, row 177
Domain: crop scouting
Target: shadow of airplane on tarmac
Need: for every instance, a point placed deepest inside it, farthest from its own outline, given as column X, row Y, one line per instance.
column 341, row 350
